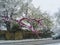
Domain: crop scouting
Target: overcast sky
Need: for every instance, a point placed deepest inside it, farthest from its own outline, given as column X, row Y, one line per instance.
column 51, row 6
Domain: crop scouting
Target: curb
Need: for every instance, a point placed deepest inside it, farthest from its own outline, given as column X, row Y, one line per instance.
column 22, row 41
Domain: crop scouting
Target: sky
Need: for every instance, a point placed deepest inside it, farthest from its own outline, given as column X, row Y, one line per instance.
column 50, row 6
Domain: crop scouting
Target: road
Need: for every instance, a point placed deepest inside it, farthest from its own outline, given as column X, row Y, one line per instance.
column 37, row 42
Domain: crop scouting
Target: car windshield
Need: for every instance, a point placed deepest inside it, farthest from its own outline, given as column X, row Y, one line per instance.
column 29, row 22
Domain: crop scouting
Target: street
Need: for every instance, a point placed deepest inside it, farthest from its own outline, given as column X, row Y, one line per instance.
column 37, row 42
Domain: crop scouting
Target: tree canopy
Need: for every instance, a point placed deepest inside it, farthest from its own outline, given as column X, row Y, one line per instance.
column 18, row 8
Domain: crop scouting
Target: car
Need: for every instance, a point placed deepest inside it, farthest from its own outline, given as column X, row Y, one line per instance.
column 56, row 36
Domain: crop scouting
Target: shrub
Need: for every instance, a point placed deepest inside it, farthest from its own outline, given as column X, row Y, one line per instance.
column 15, row 27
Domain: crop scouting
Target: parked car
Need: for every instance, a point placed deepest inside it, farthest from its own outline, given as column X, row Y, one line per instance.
column 56, row 36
